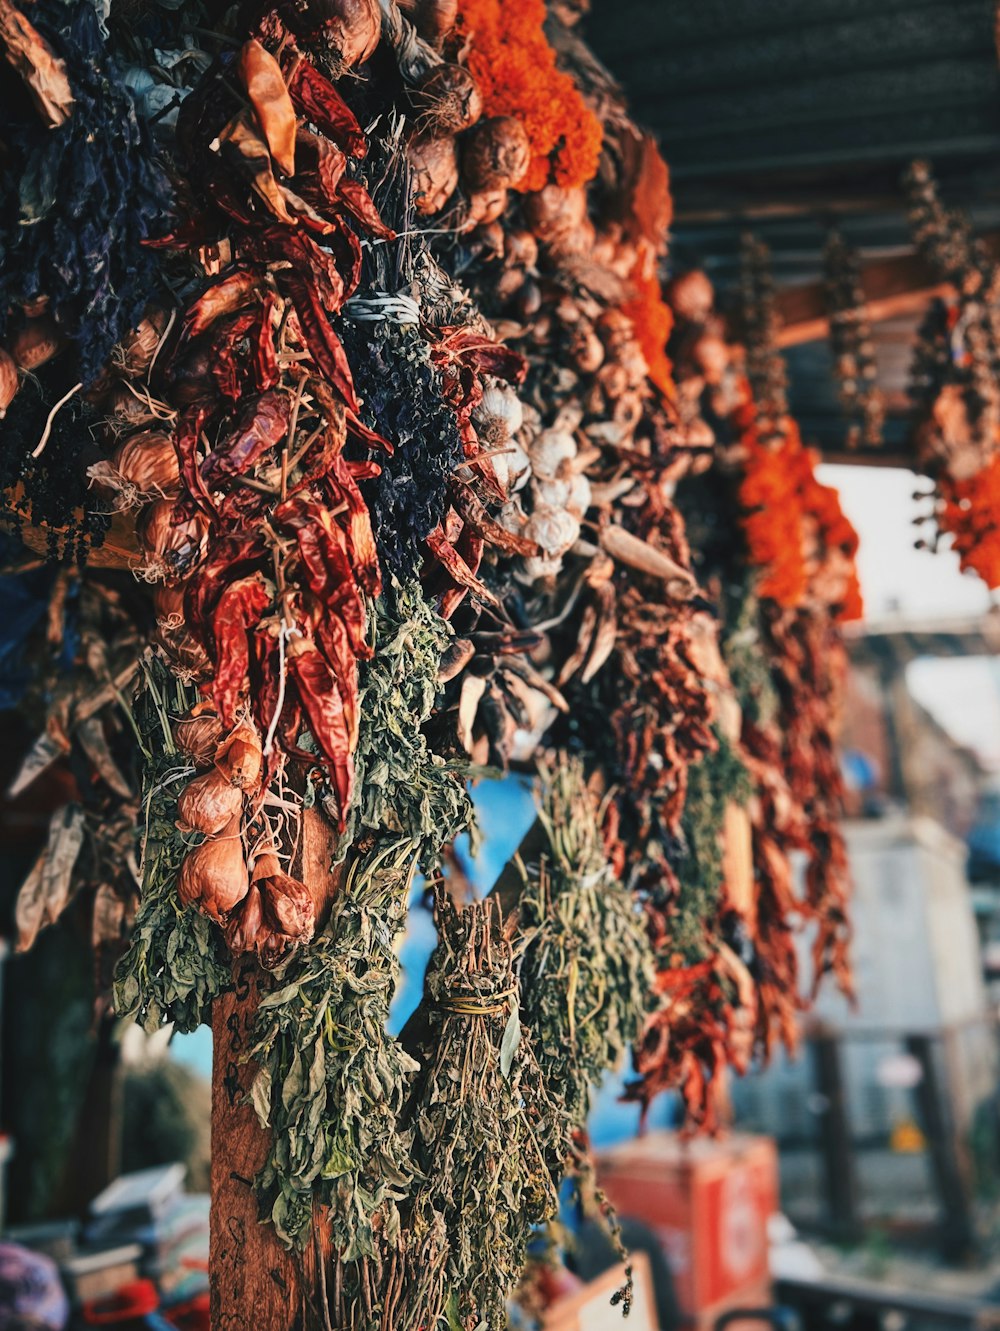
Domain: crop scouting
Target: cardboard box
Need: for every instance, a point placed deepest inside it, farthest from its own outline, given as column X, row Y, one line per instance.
column 590, row 1308
column 709, row 1202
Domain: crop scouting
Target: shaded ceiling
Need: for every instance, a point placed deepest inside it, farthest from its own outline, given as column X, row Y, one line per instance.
column 786, row 116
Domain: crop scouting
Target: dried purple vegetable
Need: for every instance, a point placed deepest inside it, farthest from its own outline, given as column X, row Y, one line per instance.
column 401, row 399
column 77, row 200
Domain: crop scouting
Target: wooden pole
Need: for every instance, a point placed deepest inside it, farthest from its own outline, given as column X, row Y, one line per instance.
column 893, row 287
column 835, row 1135
column 256, row 1285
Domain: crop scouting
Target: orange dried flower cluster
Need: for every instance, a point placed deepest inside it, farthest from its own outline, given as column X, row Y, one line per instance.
column 784, row 506
column 970, row 511
column 515, row 68
column 653, row 321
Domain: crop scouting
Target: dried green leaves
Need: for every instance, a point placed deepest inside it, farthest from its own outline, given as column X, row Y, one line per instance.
column 477, row 1115
column 401, row 786
column 175, row 964
column 331, row 1081
column 587, row 970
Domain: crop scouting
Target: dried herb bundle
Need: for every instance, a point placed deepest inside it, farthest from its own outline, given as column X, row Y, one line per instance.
column 175, row 964
column 401, row 785
column 587, row 971
column 478, row 1113
column 331, row 1081
column 400, row 395
column 720, row 778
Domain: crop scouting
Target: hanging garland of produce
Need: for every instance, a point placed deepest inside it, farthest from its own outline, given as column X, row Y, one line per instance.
column 852, row 345
column 775, row 544
column 954, row 380
column 382, row 435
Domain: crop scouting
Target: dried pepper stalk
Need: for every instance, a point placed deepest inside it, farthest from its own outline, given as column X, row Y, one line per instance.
column 478, row 1110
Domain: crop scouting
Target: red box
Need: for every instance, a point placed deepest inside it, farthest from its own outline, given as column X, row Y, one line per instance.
column 709, row 1201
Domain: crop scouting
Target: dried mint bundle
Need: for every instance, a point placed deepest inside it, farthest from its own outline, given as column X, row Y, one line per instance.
column 478, row 1113
column 175, row 964
column 586, row 974
column 720, row 778
column 400, row 394
column 80, row 197
column 331, row 1082
column 402, row 786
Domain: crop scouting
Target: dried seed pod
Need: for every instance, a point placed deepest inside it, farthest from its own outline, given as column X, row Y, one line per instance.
column 639, row 554
column 434, row 19
column 184, row 654
column 288, row 907
column 495, row 153
column 555, row 214
column 172, row 548
column 246, row 923
column 484, row 208
column 691, row 296
column 239, row 757
column 36, row 343
column 348, row 30
column 125, row 410
column 521, row 249
column 199, row 737
column 433, row 172
column 711, row 355
column 586, row 348
column 265, row 85
column 144, row 466
column 133, row 355
column 214, row 875
column 8, row 381
column 208, row 803
column 447, row 101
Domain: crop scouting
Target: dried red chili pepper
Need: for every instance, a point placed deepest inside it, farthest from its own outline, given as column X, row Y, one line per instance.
column 323, row 703
column 230, row 294
column 318, row 101
column 261, row 424
column 240, row 609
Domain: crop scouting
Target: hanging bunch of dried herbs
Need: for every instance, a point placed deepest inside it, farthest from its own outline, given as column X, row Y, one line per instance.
column 331, row 1082
column 720, row 778
column 175, row 964
column 399, row 389
column 586, row 974
column 80, row 194
column 401, row 785
column 478, row 1115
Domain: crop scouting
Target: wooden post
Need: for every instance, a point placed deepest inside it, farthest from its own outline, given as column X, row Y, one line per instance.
column 835, row 1135
column 256, row 1285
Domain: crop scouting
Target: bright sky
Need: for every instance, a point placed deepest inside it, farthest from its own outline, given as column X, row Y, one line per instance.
column 898, row 579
